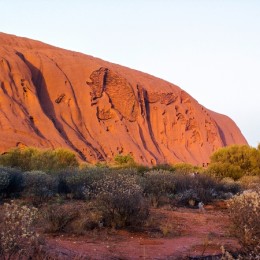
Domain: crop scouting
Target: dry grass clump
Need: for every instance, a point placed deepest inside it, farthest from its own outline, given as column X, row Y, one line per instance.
column 58, row 217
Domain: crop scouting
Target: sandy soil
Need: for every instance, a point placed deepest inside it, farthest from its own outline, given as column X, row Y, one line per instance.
column 169, row 234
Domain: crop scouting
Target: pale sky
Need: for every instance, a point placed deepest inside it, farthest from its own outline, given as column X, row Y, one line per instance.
column 209, row 48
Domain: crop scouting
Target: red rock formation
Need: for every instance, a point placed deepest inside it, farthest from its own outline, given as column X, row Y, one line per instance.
column 50, row 97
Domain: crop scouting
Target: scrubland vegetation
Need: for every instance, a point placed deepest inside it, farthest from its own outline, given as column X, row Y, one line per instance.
column 52, row 188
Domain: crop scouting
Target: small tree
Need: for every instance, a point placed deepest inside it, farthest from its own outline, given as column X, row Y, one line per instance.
column 235, row 161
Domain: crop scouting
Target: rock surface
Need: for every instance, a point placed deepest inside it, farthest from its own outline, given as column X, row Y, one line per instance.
column 51, row 97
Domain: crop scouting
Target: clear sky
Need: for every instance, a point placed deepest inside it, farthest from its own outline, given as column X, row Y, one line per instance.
column 210, row 48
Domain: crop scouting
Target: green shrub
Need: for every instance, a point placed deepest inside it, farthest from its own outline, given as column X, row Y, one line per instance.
column 18, row 158
column 124, row 160
column 245, row 214
column 10, row 181
column 29, row 159
column 54, row 160
column 79, row 183
column 5, row 180
column 235, row 161
column 186, row 168
column 39, row 186
column 120, row 200
column 201, row 187
column 157, row 185
column 224, row 170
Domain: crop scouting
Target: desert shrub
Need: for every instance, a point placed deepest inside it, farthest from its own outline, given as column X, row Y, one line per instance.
column 187, row 198
column 54, row 160
column 227, row 187
column 192, row 189
column 18, row 238
column 28, row 159
column 186, row 168
column 79, row 183
column 120, row 199
column 245, row 214
column 250, row 182
column 165, row 167
column 39, row 186
column 5, row 180
column 57, row 218
column 124, row 160
column 235, row 161
column 183, row 182
column 71, row 218
column 18, row 158
column 10, row 181
column 89, row 218
column 129, row 171
column 141, row 169
column 158, row 184
column 225, row 170
column 201, row 187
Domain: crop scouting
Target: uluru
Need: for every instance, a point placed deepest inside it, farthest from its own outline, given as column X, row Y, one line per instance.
column 51, row 98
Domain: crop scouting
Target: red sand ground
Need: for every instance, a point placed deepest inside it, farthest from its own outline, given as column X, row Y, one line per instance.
column 191, row 233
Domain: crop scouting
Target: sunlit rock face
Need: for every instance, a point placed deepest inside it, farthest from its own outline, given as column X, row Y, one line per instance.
column 51, row 97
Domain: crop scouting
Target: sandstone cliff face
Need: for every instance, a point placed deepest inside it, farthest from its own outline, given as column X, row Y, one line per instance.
column 50, row 97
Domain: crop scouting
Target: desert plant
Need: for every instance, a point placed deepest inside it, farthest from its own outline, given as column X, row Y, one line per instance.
column 120, row 199
column 55, row 160
column 245, row 215
column 201, row 187
column 20, row 158
column 250, row 182
column 158, row 184
column 18, row 238
column 28, row 159
column 79, row 183
column 124, row 160
column 235, row 161
column 89, row 218
column 225, row 170
column 39, row 186
column 5, row 180
column 10, row 181
column 165, row 167
column 58, row 217
column 185, row 168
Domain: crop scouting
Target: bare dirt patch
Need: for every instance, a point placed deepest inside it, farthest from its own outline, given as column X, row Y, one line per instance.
column 169, row 234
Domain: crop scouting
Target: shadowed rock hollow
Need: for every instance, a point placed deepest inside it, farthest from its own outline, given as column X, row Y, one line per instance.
column 51, row 97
